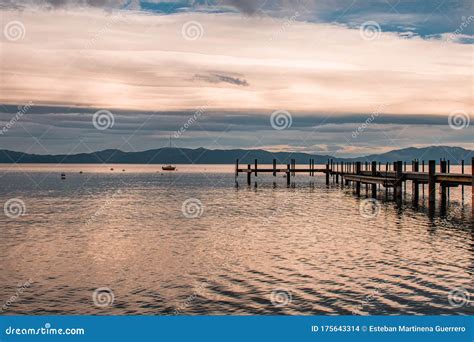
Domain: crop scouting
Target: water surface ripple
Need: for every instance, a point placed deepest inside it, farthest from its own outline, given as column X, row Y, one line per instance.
column 308, row 246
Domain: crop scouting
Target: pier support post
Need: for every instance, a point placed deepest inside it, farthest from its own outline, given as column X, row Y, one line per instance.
column 398, row 180
column 288, row 175
column 357, row 171
column 249, row 175
column 255, row 167
column 374, row 174
column 449, row 171
column 236, row 168
column 423, row 184
column 274, row 167
column 442, row 188
column 431, row 184
column 415, row 188
column 327, row 173
column 462, row 186
column 394, row 166
column 331, row 168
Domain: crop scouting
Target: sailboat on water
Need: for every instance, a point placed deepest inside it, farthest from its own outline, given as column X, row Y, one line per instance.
column 168, row 167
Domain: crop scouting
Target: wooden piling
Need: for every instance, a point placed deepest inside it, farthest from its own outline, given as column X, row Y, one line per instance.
column 288, row 175
column 249, row 175
column 423, row 184
column 380, row 169
column 432, row 183
column 398, row 179
column 366, row 185
column 327, row 173
column 358, row 183
column 274, row 167
column 405, row 183
column 442, row 188
column 255, row 167
column 462, row 186
column 236, row 168
column 415, row 168
column 374, row 174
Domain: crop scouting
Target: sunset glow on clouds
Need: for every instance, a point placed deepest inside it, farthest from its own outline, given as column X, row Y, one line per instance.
column 145, row 61
column 142, row 62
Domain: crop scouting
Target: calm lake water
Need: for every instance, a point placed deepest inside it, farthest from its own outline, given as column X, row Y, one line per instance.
column 190, row 242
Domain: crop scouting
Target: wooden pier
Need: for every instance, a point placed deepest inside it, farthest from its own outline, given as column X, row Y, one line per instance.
column 375, row 175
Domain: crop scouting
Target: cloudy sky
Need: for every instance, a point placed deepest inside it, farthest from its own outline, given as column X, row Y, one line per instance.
column 323, row 76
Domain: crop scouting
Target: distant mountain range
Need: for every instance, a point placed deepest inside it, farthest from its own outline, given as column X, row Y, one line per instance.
column 205, row 156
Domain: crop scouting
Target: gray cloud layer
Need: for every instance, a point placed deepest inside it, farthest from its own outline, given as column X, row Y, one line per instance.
column 66, row 130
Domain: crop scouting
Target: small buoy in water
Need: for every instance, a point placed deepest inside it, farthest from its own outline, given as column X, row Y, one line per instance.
column 63, row 176
column 80, row 172
column 123, row 170
column 111, row 169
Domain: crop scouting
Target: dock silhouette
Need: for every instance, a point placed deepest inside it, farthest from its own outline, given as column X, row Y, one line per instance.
column 375, row 175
